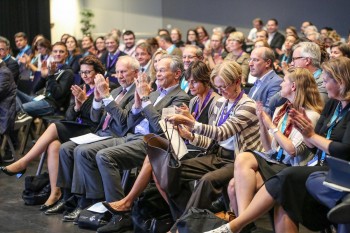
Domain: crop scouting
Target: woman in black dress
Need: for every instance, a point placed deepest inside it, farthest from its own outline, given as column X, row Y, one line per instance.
column 77, row 123
column 286, row 191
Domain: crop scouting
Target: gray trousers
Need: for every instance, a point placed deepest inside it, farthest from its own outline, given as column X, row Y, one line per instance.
column 211, row 173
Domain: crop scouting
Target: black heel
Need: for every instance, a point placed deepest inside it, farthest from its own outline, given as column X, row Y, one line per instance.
column 18, row 174
column 114, row 211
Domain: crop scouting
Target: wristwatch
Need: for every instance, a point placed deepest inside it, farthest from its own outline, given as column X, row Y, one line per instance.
column 145, row 99
column 273, row 131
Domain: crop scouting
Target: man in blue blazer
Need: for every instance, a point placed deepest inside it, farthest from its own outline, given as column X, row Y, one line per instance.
column 268, row 82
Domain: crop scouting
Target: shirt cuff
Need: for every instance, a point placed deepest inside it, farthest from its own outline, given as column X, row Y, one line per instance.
column 195, row 140
column 145, row 104
column 197, row 127
column 96, row 105
column 135, row 110
column 107, row 100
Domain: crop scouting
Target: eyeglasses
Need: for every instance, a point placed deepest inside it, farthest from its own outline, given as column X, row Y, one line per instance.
column 86, row 72
column 297, row 58
column 189, row 57
column 223, row 88
column 2, row 49
column 254, row 60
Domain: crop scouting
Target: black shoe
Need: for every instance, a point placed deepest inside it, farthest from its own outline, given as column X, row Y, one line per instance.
column 18, row 174
column 46, row 207
column 118, row 223
column 340, row 213
column 218, row 205
column 21, row 116
column 114, row 211
column 72, row 216
column 58, row 208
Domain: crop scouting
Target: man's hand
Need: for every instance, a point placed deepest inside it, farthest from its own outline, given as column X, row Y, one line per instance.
column 143, row 88
column 101, row 87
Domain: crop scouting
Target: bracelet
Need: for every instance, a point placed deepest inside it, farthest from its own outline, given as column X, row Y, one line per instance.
column 273, row 131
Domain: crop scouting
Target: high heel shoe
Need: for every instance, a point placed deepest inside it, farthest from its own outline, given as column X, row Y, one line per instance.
column 18, row 174
column 114, row 211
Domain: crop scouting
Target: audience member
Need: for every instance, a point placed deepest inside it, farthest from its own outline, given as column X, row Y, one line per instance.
column 262, row 35
column 163, row 31
column 176, row 37
column 339, row 49
column 87, row 45
column 275, row 39
column 74, row 54
column 190, row 54
column 165, row 43
column 153, row 69
column 258, row 25
column 21, row 41
column 43, row 58
column 100, row 46
column 129, row 43
column 153, row 42
column 57, row 79
column 64, row 37
column 213, row 54
column 143, row 55
column 5, row 55
column 77, row 122
column 203, row 35
column 304, row 25
column 285, row 57
column 193, row 39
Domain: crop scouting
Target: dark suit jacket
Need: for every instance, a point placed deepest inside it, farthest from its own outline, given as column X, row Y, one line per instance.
column 74, row 63
column 269, row 87
column 12, row 64
column 119, row 112
column 7, row 99
column 153, row 113
column 111, row 69
column 277, row 42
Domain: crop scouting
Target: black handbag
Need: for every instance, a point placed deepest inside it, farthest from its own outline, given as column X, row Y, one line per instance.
column 164, row 162
column 198, row 220
column 92, row 220
column 37, row 189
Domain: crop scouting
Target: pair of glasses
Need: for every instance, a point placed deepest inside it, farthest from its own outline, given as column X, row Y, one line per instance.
column 223, row 88
column 297, row 58
column 86, row 72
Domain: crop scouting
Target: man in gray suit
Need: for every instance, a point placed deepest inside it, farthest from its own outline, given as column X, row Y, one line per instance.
column 113, row 123
column 305, row 55
column 268, row 82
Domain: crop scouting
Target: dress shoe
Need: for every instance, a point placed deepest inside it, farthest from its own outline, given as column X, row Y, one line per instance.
column 18, row 174
column 114, row 211
column 46, row 207
column 118, row 223
column 72, row 216
column 340, row 213
column 58, row 208
column 218, row 205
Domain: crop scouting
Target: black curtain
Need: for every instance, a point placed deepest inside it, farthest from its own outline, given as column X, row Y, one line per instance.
column 29, row 16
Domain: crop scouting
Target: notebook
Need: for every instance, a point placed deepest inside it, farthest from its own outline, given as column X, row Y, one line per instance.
column 338, row 177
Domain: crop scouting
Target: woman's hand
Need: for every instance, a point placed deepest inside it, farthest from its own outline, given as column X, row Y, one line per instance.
column 185, row 132
column 185, row 111
column 264, row 118
column 178, row 119
column 79, row 95
column 302, row 123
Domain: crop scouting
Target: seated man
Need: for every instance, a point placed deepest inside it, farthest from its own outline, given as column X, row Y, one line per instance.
column 113, row 123
column 56, row 80
column 7, row 100
column 101, row 171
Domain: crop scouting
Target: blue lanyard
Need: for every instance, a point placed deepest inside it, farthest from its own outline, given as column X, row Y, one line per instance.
column 337, row 116
column 184, row 84
column 317, row 73
column 22, row 52
column 283, row 128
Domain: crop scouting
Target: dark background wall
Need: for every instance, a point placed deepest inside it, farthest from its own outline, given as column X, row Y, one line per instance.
column 239, row 13
column 29, row 16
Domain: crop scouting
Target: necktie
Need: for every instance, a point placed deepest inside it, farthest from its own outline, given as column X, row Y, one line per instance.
column 117, row 100
column 142, row 70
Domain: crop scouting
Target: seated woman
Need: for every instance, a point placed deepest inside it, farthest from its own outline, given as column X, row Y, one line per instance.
column 74, row 54
column 235, row 130
column 285, row 58
column 339, row 49
column 283, row 143
column 77, row 123
column 286, row 190
column 201, row 105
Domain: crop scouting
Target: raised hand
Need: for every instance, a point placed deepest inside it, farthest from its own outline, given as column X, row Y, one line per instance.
column 185, row 111
column 143, row 87
column 178, row 119
column 301, row 122
column 101, row 87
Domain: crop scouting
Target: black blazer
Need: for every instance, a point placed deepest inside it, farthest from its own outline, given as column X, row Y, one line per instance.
column 277, row 42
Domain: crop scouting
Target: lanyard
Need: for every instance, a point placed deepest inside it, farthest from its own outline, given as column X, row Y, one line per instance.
column 198, row 110
column 283, row 128
column 224, row 116
column 22, row 52
column 90, row 92
column 115, row 57
column 7, row 57
column 337, row 116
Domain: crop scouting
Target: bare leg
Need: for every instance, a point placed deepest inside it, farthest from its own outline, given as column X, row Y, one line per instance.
column 52, row 166
column 40, row 146
column 282, row 221
column 232, row 195
column 161, row 191
column 247, row 179
column 139, row 186
column 260, row 204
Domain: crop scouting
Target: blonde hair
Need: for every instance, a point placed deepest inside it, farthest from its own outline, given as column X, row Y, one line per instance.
column 237, row 36
column 229, row 71
column 306, row 94
column 339, row 70
column 152, row 69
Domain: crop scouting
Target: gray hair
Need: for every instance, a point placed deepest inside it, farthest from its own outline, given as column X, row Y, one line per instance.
column 5, row 41
column 311, row 50
column 131, row 61
column 176, row 62
column 199, row 51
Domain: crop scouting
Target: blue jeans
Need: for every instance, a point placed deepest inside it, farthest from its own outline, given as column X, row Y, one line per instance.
column 32, row 107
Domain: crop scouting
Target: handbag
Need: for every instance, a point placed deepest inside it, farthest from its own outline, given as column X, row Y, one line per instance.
column 198, row 220
column 37, row 189
column 164, row 162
